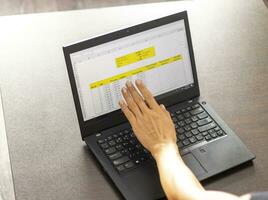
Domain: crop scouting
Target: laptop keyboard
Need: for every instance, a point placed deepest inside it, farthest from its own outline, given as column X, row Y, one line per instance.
column 193, row 125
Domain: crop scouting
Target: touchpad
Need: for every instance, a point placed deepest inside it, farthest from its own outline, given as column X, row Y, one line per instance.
column 194, row 165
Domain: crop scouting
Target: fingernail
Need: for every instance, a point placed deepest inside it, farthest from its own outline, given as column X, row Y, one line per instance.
column 124, row 90
column 120, row 102
column 138, row 81
column 128, row 84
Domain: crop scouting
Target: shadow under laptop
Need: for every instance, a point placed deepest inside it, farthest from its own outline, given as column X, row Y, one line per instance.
column 266, row 3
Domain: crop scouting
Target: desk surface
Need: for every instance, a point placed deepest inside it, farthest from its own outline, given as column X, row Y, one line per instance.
column 50, row 161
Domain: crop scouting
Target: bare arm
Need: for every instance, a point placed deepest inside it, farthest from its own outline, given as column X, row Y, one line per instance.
column 154, row 128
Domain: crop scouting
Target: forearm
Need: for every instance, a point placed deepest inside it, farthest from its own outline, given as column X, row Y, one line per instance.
column 179, row 183
column 177, row 180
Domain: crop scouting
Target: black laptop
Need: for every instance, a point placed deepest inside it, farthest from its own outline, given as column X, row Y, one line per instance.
column 159, row 53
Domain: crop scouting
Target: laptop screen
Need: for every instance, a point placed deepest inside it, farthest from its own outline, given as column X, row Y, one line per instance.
column 159, row 57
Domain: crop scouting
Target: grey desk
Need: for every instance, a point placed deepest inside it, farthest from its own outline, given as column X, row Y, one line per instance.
column 50, row 161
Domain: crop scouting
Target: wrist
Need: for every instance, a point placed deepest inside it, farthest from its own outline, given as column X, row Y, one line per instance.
column 164, row 151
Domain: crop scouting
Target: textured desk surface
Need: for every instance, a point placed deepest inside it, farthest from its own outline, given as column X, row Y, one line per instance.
column 50, row 161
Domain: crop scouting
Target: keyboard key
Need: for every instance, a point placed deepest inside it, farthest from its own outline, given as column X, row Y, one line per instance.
column 111, row 142
column 110, row 137
column 188, row 121
column 199, row 137
column 100, row 141
column 104, row 145
column 208, row 137
column 217, row 128
column 110, row 150
column 202, row 115
column 188, row 134
column 145, row 151
column 192, row 139
column 194, row 125
column 195, row 131
column 131, row 149
column 126, row 137
column 129, row 164
column 132, row 141
column 220, row 133
column 181, row 123
column 204, row 133
column 188, row 108
column 186, row 142
column 138, row 146
column 119, row 147
column 120, row 168
column 195, row 106
column 181, row 137
column 125, row 151
column 210, row 131
column 183, row 110
column 204, row 121
column 125, row 144
column 207, row 127
column 196, row 111
column 194, row 118
column 214, row 135
column 174, row 119
column 119, row 140
column 115, row 155
column 121, row 160
column 187, row 115
column 187, row 128
column 178, row 112
column 180, row 145
column 180, row 130
column 180, row 117
column 138, row 153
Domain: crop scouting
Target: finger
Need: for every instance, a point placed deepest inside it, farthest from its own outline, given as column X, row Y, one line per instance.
column 137, row 97
column 146, row 94
column 163, row 107
column 131, row 103
column 129, row 115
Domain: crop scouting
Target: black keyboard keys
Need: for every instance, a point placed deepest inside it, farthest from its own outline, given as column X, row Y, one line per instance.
column 204, row 121
column 121, row 160
column 197, row 111
column 129, row 164
column 193, row 125
column 202, row 115
column 110, row 150
column 115, row 155
column 207, row 127
column 104, row 145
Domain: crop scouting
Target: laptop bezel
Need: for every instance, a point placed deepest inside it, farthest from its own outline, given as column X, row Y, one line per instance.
column 114, row 118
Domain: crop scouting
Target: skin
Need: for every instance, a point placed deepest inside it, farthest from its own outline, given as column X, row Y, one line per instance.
column 155, row 130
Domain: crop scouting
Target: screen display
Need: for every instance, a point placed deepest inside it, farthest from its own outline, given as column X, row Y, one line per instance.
column 159, row 57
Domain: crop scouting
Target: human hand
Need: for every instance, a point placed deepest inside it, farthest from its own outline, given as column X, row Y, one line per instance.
column 150, row 121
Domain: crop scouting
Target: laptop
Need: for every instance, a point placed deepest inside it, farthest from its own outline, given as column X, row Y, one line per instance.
column 159, row 53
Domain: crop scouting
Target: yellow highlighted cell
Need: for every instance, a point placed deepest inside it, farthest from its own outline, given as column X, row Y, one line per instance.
column 135, row 57
column 135, row 71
